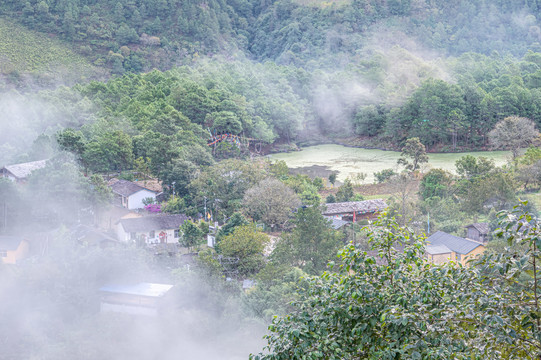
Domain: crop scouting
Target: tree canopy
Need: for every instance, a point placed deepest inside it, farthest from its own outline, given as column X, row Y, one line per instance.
column 406, row 307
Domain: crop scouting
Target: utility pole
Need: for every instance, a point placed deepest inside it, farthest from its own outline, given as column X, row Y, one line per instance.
column 5, row 217
column 205, row 209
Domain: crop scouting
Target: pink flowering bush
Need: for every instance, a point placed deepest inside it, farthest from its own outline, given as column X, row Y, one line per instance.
column 153, row 208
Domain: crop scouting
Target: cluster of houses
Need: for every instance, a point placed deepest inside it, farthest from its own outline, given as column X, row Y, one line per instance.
column 441, row 247
column 125, row 222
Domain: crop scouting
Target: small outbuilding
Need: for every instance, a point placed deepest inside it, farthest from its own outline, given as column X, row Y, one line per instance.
column 13, row 249
column 137, row 299
column 20, row 172
column 130, row 195
column 442, row 247
column 478, row 232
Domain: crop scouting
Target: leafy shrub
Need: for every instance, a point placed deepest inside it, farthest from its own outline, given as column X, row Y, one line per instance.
column 384, row 175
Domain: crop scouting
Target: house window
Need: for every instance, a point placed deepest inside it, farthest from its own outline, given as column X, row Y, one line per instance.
column 458, row 257
column 132, row 236
column 3, row 253
column 177, row 233
column 152, row 234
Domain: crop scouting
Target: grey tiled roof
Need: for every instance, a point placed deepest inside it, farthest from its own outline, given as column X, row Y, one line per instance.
column 21, row 171
column 91, row 235
column 127, row 188
column 455, row 243
column 337, row 223
column 155, row 222
column 481, row 227
column 366, row 206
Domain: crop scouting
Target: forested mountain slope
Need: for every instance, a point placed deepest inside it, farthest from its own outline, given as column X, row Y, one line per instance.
column 278, row 71
column 137, row 35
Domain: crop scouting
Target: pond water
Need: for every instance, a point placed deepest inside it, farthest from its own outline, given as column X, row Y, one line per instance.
column 321, row 160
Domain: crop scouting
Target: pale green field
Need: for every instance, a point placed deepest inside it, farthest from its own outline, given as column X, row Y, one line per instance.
column 350, row 161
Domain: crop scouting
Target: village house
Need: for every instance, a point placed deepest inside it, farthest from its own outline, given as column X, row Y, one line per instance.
column 337, row 224
column 442, row 247
column 13, row 249
column 20, row 172
column 130, row 195
column 355, row 210
column 155, row 229
column 136, row 299
column 92, row 237
column 478, row 232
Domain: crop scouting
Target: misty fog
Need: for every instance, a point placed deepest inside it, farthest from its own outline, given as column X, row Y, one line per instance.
column 151, row 80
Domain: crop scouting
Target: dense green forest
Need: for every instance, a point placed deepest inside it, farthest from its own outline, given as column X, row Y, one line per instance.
column 445, row 72
column 161, row 33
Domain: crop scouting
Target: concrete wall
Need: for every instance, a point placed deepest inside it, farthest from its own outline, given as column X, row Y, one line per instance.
column 463, row 259
column 169, row 237
column 442, row 258
column 125, row 236
column 473, row 254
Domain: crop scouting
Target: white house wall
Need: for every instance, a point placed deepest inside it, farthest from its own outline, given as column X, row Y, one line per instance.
column 124, row 236
column 170, row 236
column 135, row 201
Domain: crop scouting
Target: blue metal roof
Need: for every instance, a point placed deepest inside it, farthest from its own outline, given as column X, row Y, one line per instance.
column 454, row 243
column 141, row 289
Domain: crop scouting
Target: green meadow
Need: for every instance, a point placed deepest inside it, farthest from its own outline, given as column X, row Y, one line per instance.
column 26, row 51
column 350, row 161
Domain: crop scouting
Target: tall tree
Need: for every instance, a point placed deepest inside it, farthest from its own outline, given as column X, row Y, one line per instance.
column 271, row 201
column 191, row 235
column 416, row 152
column 513, row 133
column 311, row 244
column 247, row 244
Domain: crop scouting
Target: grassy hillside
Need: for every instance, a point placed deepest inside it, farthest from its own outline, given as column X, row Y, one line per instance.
column 44, row 57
